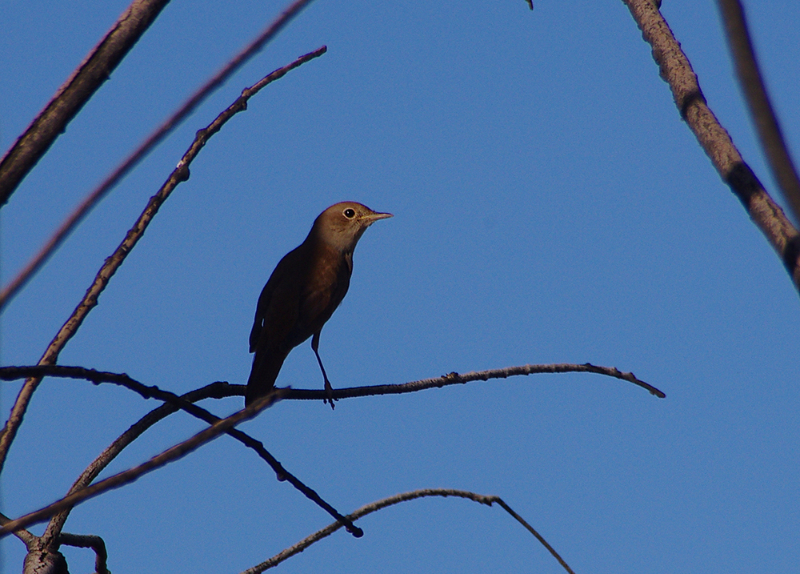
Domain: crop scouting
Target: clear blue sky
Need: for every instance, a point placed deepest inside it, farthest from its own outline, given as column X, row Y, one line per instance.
column 550, row 206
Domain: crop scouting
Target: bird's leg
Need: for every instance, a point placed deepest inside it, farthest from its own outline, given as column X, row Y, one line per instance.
column 328, row 388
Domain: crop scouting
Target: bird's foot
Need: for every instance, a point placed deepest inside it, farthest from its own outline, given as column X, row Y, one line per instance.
column 329, row 391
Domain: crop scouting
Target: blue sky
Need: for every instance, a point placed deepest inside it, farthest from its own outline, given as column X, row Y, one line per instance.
column 550, row 206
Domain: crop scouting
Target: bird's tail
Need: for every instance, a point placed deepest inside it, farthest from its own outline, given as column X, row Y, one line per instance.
column 266, row 366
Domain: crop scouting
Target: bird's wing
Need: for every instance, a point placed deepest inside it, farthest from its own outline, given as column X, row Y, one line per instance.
column 322, row 294
column 275, row 302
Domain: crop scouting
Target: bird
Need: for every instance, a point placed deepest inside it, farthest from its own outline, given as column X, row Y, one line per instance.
column 303, row 291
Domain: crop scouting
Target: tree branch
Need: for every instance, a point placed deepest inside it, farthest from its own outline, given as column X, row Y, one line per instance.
column 219, row 390
column 70, row 98
column 715, row 141
column 153, row 392
column 397, row 499
column 27, row 537
column 141, row 152
column 89, row 541
column 112, row 263
column 214, row 390
column 457, row 379
column 752, row 84
column 127, row 476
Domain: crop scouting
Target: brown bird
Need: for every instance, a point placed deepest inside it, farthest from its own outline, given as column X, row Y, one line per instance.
column 303, row 292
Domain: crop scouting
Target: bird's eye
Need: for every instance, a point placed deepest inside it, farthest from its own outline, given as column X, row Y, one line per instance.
column 349, row 213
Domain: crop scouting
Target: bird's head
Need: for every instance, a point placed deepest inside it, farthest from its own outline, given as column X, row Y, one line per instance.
column 343, row 224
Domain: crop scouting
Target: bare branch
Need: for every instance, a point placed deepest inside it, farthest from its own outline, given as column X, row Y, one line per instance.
column 127, row 476
column 216, row 390
column 89, row 541
column 75, row 92
column 141, row 152
column 153, row 392
column 677, row 72
column 221, row 389
column 112, row 263
column 396, row 499
column 456, row 379
column 27, row 537
column 755, row 92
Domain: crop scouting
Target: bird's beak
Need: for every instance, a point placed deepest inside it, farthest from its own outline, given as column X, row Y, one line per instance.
column 371, row 218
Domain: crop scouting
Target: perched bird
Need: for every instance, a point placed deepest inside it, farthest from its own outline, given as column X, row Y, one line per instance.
column 303, row 292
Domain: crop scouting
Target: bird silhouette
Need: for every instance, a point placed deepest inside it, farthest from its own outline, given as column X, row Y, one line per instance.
column 303, row 291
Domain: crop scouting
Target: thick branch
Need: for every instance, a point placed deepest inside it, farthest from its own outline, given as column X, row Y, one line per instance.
column 715, row 141
column 89, row 301
column 75, row 92
column 396, row 499
column 758, row 101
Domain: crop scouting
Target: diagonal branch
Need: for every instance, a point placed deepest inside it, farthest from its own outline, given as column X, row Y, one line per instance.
column 154, row 392
column 141, row 152
column 127, row 476
column 214, row 390
column 397, row 499
column 755, row 92
column 715, row 141
column 73, row 94
column 27, row 537
column 89, row 301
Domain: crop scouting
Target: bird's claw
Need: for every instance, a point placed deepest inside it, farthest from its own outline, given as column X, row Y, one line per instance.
column 329, row 391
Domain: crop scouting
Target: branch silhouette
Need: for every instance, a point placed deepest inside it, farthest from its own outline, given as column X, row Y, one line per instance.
column 112, row 263
column 141, row 152
column 214, row 390
column 153, row 392
column 127, row 476
column 81, row 489
column 397, row 499
column 460, row 379
column 677, row 71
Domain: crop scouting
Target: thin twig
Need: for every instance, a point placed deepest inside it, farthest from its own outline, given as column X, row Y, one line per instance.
column 13, row 373
column 222, row 389
column 127, row 476
column 396, row 499
column 457, row 379
column 153, row 392
column 89, row 541
column 216, row 390
column 89, row 301
column 769, row 130
column 715, row 141
column 141, row 152
column 73, row 94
